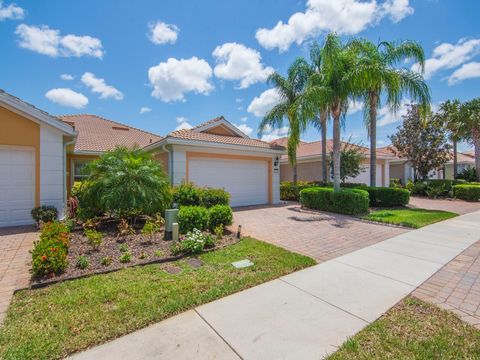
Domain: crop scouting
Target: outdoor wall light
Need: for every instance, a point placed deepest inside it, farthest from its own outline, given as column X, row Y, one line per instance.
column 276, row 161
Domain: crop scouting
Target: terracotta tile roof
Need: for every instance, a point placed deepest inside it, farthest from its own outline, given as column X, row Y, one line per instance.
column 191, row 134
column 464, row 157
column 97, row 134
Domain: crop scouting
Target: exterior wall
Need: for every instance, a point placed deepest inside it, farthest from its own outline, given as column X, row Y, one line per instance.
column 52, row 177
column 460, row 168
column 397, row 171
column 162, row 157
column 19, row 131
column 69, row 167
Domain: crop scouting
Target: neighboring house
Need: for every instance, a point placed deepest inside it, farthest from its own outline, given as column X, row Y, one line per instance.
column 218, row 154
column 41, row 156
column 32, row 160
column 309, row 163
column 465, row 160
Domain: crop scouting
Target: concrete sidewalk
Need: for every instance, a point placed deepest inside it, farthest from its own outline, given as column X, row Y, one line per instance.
column 305, row 315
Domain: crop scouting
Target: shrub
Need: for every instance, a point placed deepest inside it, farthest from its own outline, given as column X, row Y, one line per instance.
column 94, row 237
column 124, row 228
column 467, row 192
column 417, row 188
column 82, row 262
column 192, row 217
column 345, row 201
column 49, row 254
column 289, row 192
column 152, row 226
column 193, row 243
column 123, row 248
column 44, row 213
column 468, row 174
column 218, row 231
column 387, row 196
column 210, row 197
column 219, row 215
column 436, row 190
column 395, row 183
column 106, row 261
column 125, row 183
column 125, row 258
column 186, row 194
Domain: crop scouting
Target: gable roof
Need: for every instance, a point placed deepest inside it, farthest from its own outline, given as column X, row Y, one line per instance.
column 97, row 134
column 203, row 133
column 31, row 112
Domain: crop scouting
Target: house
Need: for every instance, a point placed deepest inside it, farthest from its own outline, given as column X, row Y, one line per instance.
column 309, row 163
column 41, row 156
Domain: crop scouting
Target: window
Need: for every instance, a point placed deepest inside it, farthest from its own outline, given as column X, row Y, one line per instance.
column 78, row 172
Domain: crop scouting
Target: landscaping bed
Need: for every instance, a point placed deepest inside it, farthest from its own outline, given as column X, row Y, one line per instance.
column 413, row 329
column 141, row 249
column 55, row 321
column 413, row 218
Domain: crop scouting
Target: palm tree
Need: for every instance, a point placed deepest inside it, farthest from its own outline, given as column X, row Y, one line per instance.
column 471, row 127
column 450, row 112
column 289, row 88
column 377, row 73
column 330, row 89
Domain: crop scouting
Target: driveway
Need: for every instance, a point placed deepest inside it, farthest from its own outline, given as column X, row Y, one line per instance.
column 15, row 244
column 320, row 235
column 457, row 206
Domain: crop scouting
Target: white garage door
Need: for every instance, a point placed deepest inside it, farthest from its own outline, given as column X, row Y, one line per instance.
column 17, row 185
column 364, row 176
column 245, row 180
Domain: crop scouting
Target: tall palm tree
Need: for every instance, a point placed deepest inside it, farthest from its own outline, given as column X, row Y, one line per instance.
column 471, row 127
column 289, row 88
column 330, row 89
column 377, row 73
column 450, row 112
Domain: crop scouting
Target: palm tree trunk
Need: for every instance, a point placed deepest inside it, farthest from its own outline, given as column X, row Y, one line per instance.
column 336, row 148
column 454, row 159
column 373, row 140
column 323, row 122
column 294, row 174
column 476, row 144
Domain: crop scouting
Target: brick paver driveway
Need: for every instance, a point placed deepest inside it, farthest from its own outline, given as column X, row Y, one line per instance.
column 320, row 235
column 15, row 244
column 457, row 206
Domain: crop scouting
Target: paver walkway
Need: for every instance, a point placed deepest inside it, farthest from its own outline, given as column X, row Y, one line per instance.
column 15, row 244
column 457, row 206
column 307, row 314
column 320, row 235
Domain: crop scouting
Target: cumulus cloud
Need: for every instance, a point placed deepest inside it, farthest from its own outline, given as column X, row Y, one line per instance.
column 238, row 62
column 354, row 107
column 449, row 56
column 99, row 86
column 172, row 79
column 247, row 130
column 272, row 134
column 50, row 42
column 345, row 17
column 386, row 117
column 466, row 71
column 11, row 12
column 144, row 110
column 260, row 105
column 66, row 77
column 183, row 123
column 162, row 33
column 67, row 97
column 243, row 118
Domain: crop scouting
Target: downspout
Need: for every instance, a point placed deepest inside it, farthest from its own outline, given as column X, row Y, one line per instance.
column 72, row 142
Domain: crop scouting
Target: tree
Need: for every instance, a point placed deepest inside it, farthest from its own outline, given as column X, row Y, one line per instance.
column 471, row 127
column 330, row 89
column 289, row 89
column 377, row 74
column 124, row 183
column 451, row 114
column 350, row 161
column 423, row 142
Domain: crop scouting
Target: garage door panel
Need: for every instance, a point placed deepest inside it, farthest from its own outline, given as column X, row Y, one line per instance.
column 245, row 180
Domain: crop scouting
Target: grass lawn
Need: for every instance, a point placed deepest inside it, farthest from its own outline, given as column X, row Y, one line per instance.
column 413, row 330
column 414, row 218
column 58, row 320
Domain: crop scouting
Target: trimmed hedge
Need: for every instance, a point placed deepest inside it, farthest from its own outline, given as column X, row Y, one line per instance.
column 467, row 192
column 386, row 197
column 345, row 201
column 192, row 217
column 219, row 215
column 189, row 194
column 292, row 193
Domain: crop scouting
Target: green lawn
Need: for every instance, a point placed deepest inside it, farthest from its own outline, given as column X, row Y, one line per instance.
column 55, row 321
column 413, row 330
column 414, row 218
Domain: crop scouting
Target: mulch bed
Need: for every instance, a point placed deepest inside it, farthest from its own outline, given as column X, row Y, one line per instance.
column 144, row 249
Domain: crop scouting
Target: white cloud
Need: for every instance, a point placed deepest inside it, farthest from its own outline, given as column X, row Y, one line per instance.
column 183, row 123
column 12, row 12
column 162, row 33
column 46, row 41
column 270, row 134
column 67, row 97
column 247, row 130
column 449, row 56
column 238, row 100
column 386, row 117
column 144, row 109
column 354, row 107
column 466, row 71
column 66, row 77
column 260, row 105
column 173, row 78
column 99, row 86
column 345, row 17
column 243, row 118
column 238, row 62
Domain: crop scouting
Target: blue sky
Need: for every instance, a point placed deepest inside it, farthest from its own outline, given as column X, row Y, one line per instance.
column 185, row 62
